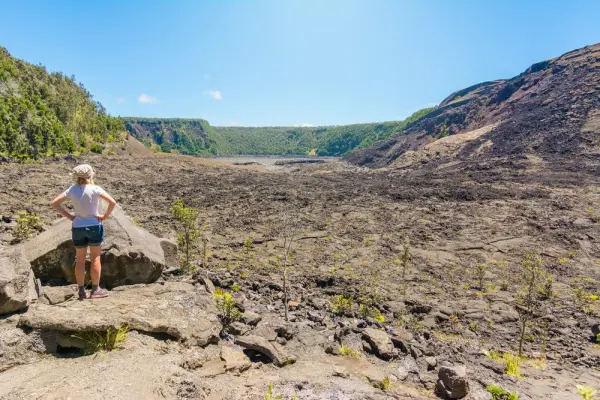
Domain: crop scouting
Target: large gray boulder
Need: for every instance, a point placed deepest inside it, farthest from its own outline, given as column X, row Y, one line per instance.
column 17, row 287
column 452, row 382
column 130, row 254
column 379, row 343
column 273, row 350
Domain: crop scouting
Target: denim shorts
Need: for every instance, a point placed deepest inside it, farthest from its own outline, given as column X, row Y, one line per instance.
column 88, row 236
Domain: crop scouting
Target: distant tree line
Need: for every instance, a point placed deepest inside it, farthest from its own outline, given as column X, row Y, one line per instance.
column 45, row 113
column 197, row 137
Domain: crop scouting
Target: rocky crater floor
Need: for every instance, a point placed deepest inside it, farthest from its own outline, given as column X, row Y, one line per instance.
column 401, row 285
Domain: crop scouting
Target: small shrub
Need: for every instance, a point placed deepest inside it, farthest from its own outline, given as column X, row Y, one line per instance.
column 384, row 384
column 248, row 243
column 405, row 258
column 188, row 233
column 348, row 352
column 547, row 287
column 340, row 304
column 244, row 274
column 499, row 393
column 586, row 392
column 235, row 287
column 96, row 148
column 503, row 273
column 454, row 321
column 480, row 271
column 27, row 223
column 586, row 301
column 367, row 310
column 529, row 300
column 108, row 340
column 227, row 307
column 494, row 355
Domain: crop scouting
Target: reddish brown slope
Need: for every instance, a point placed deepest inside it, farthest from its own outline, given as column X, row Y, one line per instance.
column 551, row 110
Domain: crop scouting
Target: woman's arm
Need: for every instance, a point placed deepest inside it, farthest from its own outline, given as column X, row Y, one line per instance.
column 57, row 205
column 111, row 205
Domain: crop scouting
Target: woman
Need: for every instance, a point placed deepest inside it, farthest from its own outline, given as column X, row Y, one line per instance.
column 87, row 230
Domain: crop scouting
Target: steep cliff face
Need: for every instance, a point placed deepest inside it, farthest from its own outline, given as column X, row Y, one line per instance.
column 187, row 136
column 552, row 110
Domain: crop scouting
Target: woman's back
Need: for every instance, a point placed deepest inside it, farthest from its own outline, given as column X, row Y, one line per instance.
column 85, row 199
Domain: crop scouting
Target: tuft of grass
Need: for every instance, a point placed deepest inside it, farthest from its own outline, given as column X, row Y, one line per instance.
column 499, row 393
column 384, row 384
column 235, row 287
column 586, row 392
column 108, row 340
column 511, row 362
column 348, row 352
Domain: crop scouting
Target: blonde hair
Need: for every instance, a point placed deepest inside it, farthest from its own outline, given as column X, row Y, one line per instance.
column 85, row 181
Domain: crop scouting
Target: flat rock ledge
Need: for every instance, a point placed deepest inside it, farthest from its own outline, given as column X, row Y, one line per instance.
column 180, row 310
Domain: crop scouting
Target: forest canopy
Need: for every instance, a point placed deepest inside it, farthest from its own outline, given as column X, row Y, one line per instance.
column 45, row 113
column 197, row 137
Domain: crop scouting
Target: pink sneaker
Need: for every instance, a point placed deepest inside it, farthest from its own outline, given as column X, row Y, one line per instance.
column 98, row 293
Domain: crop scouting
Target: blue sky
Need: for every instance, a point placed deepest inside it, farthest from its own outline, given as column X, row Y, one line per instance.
column 280, row 62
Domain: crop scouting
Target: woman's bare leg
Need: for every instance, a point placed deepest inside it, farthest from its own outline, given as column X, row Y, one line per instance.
column 97, row 292
column 96, row 267
column 80, row 253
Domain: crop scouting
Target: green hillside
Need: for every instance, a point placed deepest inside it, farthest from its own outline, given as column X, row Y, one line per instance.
column 197, row 137
column 45, row 113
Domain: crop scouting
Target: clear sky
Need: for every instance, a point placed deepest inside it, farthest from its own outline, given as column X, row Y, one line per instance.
column 284, row 62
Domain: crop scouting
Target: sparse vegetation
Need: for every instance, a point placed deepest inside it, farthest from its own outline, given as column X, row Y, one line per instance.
column 271, row 396
column 384, row 384
column 188, row 234
column 108, row 340
column 547, row 287
column 480, row 271
column 340, row 304
column 586, row 392
column 348, row 352
column 499, row 393
column 27, row 223
column 227, row 307
column 586, row 301
column 501, row 265
column 288, row 233
column 368, row 309
column 529, row 299
column 511, row 362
